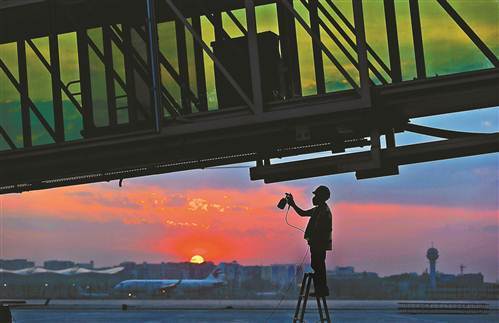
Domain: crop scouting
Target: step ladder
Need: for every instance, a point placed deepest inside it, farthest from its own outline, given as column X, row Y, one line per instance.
column 304, row 293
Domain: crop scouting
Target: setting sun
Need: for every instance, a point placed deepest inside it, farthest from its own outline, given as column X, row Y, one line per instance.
column 197, row 259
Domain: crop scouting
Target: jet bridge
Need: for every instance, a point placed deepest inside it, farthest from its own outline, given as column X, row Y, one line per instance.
column 100, row 90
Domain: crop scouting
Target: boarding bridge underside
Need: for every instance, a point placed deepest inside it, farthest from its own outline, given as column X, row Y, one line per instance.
column 100, row 90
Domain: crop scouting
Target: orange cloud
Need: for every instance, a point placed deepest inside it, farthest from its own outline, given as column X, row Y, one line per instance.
column 245, row 225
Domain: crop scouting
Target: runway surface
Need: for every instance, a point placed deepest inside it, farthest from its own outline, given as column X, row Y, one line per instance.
column 236, row 311
column 235, row 316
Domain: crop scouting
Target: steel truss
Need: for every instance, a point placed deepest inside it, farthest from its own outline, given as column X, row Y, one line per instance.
column 165, row 133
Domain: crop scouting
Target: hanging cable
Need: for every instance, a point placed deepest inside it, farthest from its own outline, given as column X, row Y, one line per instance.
column 286, row 219
column 287, row 289
column 301, row 265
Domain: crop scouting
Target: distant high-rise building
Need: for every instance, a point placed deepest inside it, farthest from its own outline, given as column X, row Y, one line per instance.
column 15, row 264
column 58, row 264
column 283, row 274
column 432, row 255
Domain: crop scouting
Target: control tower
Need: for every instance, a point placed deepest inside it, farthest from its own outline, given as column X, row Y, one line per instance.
column 432, row 255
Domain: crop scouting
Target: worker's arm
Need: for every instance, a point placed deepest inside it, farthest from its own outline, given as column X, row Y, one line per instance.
column 297, row 209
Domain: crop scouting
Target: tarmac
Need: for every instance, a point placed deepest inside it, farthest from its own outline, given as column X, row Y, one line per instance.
column 232, row 311
column 201, row 304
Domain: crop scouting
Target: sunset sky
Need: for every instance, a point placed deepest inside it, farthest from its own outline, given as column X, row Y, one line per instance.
column 383, row 225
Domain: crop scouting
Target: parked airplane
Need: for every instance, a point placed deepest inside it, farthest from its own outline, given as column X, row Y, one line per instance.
column 156, row 287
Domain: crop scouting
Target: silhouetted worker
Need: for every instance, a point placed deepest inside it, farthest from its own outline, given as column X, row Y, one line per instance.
column 318, row 234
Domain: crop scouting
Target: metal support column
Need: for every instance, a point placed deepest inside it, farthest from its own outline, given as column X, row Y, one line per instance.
column 256, row 79
column 289, row 49
column 183, row 67
column 393, row 43
column 360, row 33
column 318, row 61
column 218, row 26
column 55, row 71
column 153, row 52
column 390, row 139
column 417, row 39
column 375, row 148
column 109, row 68
column 85, row 83
column 200, row 72
column 133, row 104
column 23, row 90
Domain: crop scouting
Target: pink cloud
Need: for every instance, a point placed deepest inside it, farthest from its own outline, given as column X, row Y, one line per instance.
column 230, row 224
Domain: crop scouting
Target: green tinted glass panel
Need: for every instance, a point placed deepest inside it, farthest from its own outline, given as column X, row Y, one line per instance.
column 208, row 35
column 68, row 53
column 305, row 52
column 40, row 91
column 10, row 106
column 447, row 48
column 98, row 78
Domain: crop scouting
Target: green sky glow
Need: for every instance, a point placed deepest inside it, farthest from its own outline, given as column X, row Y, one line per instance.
column 447, row 50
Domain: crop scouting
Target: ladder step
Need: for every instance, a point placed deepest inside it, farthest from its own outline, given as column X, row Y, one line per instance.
column 304, row 295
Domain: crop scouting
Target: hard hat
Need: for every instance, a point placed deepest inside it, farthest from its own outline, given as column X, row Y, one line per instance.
column 322, row 192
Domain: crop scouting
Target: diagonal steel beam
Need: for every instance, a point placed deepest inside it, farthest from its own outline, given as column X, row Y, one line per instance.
column 101, row 57
column 237, row 22
column 48, row 66
column 339, row 44
column 171, row 107
column 170, row 69
column 316, row 40
column 29, row 102
column 7, row 138
column 120, row 81
column 352, row 29
column 352, row 44
column 471, row 34
column 210, row 53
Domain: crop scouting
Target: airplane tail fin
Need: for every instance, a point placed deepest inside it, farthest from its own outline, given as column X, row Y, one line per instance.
column 217, row 274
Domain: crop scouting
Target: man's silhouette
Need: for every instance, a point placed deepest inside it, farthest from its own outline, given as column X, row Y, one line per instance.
column 318, row 234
